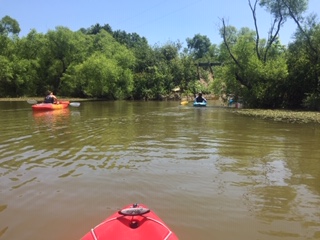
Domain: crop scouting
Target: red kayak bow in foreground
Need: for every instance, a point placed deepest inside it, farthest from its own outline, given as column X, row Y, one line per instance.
column 134, row 222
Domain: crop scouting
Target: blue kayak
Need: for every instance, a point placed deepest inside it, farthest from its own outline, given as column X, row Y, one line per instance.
column 200, row 104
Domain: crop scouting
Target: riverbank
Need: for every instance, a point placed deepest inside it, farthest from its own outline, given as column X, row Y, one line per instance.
column 282, row 115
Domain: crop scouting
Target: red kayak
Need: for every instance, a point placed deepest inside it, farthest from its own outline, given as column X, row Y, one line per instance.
column 50, row 106
column 134, row 222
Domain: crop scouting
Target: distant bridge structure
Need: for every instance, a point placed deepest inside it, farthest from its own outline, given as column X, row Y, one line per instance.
column 207, row 64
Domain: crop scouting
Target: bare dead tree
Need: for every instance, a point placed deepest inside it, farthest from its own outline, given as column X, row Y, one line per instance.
column 226, row 43
column 253, row 10
column 273, row 32
column 307, row 36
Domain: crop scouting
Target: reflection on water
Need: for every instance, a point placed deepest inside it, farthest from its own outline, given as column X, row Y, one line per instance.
column 51, row 116
column 208, row 173
column 51, row 120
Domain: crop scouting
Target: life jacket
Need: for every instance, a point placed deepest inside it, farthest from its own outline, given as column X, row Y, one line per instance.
column 200, row 99
column 48, row 99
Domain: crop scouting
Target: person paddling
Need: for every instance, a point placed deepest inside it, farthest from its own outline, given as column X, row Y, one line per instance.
column 199, row 98
column 50, row 98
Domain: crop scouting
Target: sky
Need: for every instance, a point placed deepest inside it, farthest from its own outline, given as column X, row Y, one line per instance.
column 159, row 21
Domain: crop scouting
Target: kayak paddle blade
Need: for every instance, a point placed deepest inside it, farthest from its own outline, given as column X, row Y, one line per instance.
column 32, row 101
column 75, row 104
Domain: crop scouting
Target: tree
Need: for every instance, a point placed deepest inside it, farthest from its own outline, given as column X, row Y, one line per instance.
column 304, row 65
column 253, row 59
column 306, row 47
column 261, row 77
column 98, row 76
column 9, row 26
column 5, row 75
column 18, row 71
column 63, row 48
column 198, row 46
column 280, row 10
column 95, row 29
column 106, row 73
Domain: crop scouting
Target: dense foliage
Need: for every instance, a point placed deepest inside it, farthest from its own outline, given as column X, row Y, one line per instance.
column 98, row 62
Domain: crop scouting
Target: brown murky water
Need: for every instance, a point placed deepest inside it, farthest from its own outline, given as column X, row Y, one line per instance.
column 208, row 173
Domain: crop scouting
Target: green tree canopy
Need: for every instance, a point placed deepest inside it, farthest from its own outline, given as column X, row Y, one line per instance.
column 8, row 26
column 199, row 45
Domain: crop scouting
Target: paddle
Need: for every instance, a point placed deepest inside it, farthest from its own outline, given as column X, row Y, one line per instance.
column 33, row 101
column 74, row 104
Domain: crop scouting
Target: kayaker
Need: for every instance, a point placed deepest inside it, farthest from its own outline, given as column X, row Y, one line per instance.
column 50, row 98
column 199, row 98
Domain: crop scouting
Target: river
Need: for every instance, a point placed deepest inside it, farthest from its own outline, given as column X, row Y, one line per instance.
column 207, row 172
